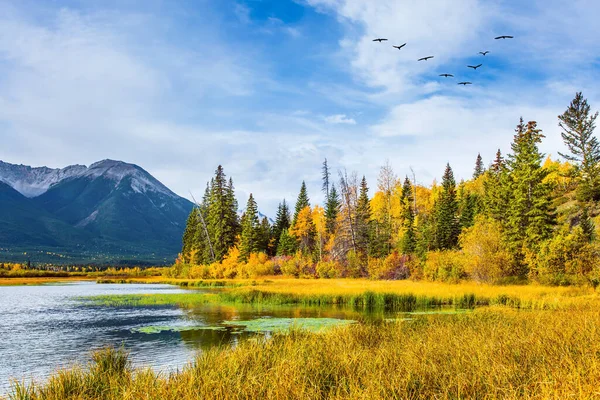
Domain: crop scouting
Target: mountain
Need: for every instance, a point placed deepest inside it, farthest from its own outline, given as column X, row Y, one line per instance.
column 109, row 209
column 23, row 223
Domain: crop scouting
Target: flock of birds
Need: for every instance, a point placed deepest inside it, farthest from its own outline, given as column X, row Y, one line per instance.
column 465, row 83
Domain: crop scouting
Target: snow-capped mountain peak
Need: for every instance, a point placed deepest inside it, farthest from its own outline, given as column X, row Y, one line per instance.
column 32, row 181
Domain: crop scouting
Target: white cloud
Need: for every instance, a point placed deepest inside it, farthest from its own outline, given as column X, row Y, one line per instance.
column 339, row 119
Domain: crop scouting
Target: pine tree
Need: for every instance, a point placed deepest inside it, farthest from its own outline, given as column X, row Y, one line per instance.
column 251, row 234
column 530, row 214
column 446, row 209
column 287, row 244
column 578, row 124
column 363, row 219
column 479, row 170
column 191, row 227
column 222, row 219
column 332, row 209
column 302, row 202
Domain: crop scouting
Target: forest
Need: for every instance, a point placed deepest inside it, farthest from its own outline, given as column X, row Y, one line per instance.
column 523, row 218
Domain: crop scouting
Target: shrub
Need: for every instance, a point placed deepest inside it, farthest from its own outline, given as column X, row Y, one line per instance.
column 565, row 259
column 258, row 264
column 446, row 266
column 394, row 266
column 328, row 269
column 298, row 266
column 487, row 260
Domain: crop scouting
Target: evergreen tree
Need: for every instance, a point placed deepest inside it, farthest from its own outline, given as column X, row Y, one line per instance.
column 499, row 163
column 479, row 170
column 332, row 209
column 302, row 202
column 191, row 227
column 251, row 233
column 578, row 124
column 496, row 190
column 287, row 244
column 467, row 207
column 587, row 225
column 222, row 221
column 447, row 228
column 530, row 215
column 282, row 221
column 408, row 243
column 407, row 190
column 266, row 241
column 363, row 219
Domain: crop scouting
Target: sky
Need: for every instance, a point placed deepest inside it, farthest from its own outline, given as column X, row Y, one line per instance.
column 269, row 89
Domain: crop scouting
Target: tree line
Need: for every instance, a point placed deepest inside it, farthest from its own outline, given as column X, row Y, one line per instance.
column 524, row 216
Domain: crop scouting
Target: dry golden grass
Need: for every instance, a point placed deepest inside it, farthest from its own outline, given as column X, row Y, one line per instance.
column 41, row 280
column 495, row 353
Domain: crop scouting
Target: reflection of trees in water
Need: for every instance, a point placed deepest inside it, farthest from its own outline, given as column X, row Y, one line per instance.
column 207, row 338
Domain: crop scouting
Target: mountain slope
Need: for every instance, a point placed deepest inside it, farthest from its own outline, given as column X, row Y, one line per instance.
column 23, row 223
column 112, row 207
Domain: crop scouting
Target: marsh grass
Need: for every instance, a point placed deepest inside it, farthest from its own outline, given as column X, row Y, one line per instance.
column 399, row 296
column 492, row 353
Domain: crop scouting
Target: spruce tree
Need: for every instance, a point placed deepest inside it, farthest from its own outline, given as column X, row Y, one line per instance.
column 223, row 224
column 530, row 213
column 496, row 190
column 287, row 244
column 446, row 209
column 587, row 225
column 408, row 243
column 407, row 190
column 467, row 207
column 302, row 202
column 332, row 208
column 479, row 170
column 363, row 219
column 251, row 234
column 578, row 124
column 282, row 221
column 266, row 242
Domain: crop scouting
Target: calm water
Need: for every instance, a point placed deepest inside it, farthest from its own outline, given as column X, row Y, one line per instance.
column 46, row 327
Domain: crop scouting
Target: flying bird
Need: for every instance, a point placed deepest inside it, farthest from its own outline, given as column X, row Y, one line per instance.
column 474, row 66
column 483, row 53
column 447, row 75
column 425, row 58
column 504, row 37
column 379, row 40
column 464, row 83
column 400, row 47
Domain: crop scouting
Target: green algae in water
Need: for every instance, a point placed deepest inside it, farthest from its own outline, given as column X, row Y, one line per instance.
column 284, row 324
column 260, row 325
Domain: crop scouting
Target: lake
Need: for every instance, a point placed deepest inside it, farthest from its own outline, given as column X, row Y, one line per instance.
column 46, row 327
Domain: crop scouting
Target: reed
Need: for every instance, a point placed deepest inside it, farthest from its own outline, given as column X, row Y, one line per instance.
column 493, row 353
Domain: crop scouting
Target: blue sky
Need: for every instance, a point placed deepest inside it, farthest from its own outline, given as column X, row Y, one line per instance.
column 269, row 89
